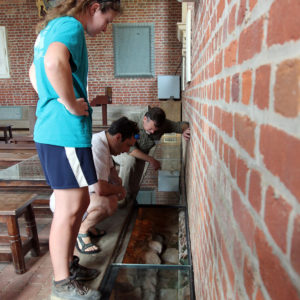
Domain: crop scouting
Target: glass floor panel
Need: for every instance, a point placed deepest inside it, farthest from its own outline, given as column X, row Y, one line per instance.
column 147, row 282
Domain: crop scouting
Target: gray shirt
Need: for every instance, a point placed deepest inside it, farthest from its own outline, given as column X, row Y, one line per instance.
column 147, row 141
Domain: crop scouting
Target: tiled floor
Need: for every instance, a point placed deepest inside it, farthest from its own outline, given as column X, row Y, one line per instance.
column 36, row 282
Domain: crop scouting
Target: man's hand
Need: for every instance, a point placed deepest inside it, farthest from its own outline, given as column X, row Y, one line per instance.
column 114, row 177
column 122, row 194
column 78, row 107
column 186, row 134
column 109, row 204
column 155, row 163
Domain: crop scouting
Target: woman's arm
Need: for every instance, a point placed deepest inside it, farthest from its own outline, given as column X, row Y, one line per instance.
column 59, row 74
column 32, row 77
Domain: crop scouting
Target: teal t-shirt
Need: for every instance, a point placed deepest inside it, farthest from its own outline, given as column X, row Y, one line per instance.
column 55, row 125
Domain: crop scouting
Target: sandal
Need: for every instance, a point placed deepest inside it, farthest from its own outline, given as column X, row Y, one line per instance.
column 84, row 245
column 99, row 233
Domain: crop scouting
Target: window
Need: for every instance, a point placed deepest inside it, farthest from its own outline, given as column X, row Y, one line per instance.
column 4, row 65
column 134, row 50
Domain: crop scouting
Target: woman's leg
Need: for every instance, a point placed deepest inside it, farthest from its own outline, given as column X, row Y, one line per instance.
column 70, row 205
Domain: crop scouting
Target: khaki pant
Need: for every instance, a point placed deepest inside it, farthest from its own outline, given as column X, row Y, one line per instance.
column 131, row 171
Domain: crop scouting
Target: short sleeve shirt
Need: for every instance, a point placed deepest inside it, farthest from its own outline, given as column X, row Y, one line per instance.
column 102, row 157
column 55, row 125
column 147, row 141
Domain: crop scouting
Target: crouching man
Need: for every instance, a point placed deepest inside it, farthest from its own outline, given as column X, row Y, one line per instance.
column 108, row 191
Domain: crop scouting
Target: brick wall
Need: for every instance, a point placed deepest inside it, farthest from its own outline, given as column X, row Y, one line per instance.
column 243, row 165
column 20, row 18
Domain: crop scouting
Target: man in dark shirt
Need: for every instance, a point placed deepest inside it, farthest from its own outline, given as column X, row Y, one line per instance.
column 152, row 124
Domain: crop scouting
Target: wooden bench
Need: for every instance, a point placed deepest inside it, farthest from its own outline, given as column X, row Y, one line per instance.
column 12, row 147
column 22, row 139
column 7, row 133
column 12, row 206
column 11, row 154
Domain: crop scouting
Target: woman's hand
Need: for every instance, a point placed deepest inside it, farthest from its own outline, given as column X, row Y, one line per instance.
column 78, row 108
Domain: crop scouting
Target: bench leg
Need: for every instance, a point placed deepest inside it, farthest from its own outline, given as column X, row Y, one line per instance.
column 10, row 132
column 15, row 244
column 5, row 136
column 32, row 231
column 104, row 114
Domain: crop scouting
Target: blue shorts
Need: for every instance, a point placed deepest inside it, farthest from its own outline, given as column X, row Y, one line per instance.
column 67, row 167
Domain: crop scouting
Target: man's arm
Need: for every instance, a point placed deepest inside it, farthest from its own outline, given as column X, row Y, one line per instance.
column 178, row 127
column 143, row 156
column 114, row 177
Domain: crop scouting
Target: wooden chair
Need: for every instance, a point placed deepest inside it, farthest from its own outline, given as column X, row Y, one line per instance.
column 103, row 101
column 12, row 206
column 7, row 133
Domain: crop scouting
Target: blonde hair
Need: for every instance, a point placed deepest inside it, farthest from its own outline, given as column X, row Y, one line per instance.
column 75, row 7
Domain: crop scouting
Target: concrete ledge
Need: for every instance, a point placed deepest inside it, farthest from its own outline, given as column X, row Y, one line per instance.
column 18, row 116
column 115, row 111
column 24, row 116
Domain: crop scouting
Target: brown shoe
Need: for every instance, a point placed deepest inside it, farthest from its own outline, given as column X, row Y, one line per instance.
column 80, row 272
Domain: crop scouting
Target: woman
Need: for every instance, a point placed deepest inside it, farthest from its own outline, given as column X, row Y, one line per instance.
column 63, row 129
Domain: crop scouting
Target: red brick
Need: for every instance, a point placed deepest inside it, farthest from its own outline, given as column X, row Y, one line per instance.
column 219, row 62
column 231, row 22
column 262, row 86
column 245, row 132
column 277, row 212
column 238, row 254
column 222, row 89
column 275, row 278
column 221, row 148
column 243, row 218
column 224, row 285
column 220, row 9
column 227, row 91
column 230, row 55
column 227, row 122
column 213, row 22
column 284, row 22
column 246, row 86
column 251, row 40
column 248, row 277
column 235, row 88
column 225, row 30
column 212, row 69
column 241, row 173
column 237, row 296
column 218, row 90
column 228, row 264
column 280, row 153
column 255, row 190
column 232, row 162
column 296, row 245
column 252, row 4
column 217, row 116
column 226, row 154
column 287, row 89
column 242, row 12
